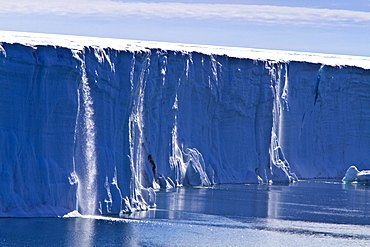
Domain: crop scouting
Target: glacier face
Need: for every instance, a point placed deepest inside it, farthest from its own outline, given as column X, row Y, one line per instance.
column 98, row 129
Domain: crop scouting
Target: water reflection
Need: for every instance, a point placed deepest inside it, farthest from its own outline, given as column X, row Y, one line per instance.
column 226, row 200
column 314, row 213
column 102, row 231
column 83, row 232
column 268, row 214
column 67, row 232
column 318, row 201
column 310, row 201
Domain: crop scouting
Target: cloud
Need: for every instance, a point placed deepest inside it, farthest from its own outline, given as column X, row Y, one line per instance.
column 227, row 12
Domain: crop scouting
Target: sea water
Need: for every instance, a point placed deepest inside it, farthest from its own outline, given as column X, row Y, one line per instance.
column 305, row 213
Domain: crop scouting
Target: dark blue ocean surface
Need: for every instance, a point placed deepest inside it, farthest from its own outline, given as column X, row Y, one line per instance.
column 306, row 213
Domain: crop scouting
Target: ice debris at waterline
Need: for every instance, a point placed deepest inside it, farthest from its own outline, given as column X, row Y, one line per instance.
column 95, row 126
column 354, row 175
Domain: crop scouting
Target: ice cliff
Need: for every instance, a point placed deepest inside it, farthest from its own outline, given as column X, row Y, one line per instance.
column 97, row 125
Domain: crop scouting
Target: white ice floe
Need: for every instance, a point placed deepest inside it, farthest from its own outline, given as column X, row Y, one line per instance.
column 354, row 175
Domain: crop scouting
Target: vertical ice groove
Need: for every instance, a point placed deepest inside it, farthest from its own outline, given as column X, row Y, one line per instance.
column 102, row 56
column 108, row 201
column 285, row 93
column 175, row 105
column 176, row 158
column 136, row 129
column 131, row 136
column 318, row 83
column 280, row 87
column 189, row 61
column 214, row 68
column 280, row 168
column 73, row 178
column 87, row 191
column 2, row 52
column 163, row 66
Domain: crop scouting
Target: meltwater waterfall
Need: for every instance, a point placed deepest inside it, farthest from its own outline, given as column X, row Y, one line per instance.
column 98, row 125
column 86, row 164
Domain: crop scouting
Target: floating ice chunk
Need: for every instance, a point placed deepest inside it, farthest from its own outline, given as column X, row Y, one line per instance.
column 72, row 214
column 363, row 176
column 353, row 174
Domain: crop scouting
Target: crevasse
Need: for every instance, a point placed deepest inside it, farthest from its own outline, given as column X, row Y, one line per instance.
column 98, row 130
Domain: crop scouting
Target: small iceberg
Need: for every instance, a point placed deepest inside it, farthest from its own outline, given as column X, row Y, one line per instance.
column 354, row 175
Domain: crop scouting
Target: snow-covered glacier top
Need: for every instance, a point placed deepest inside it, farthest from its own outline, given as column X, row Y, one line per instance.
column 78, row 42
column 96, row 125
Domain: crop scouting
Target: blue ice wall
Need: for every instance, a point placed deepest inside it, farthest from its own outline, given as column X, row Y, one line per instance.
column 98, row 130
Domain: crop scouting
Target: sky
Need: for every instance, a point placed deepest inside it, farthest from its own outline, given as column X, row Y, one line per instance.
column 320, row 26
